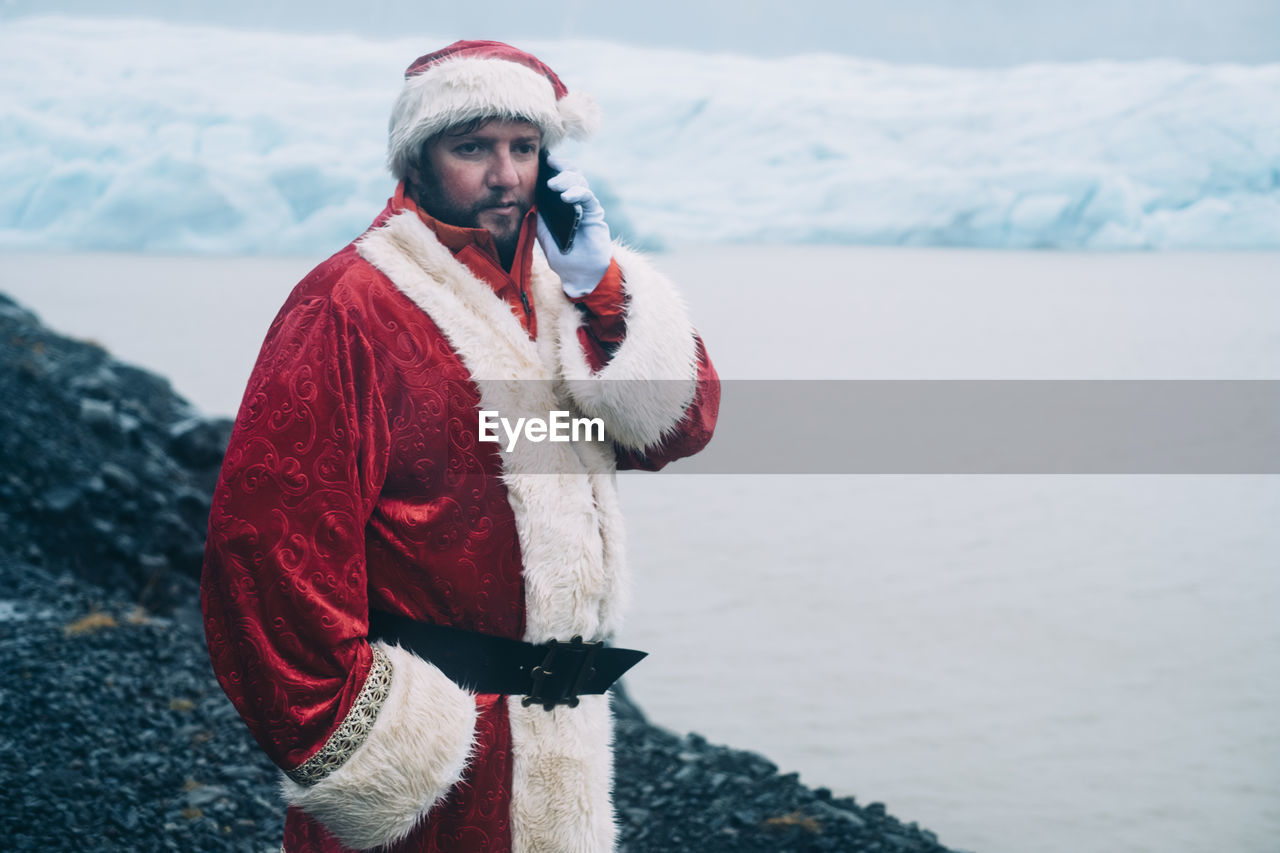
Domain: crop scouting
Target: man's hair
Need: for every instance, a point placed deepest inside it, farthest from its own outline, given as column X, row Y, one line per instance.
column 466, row 127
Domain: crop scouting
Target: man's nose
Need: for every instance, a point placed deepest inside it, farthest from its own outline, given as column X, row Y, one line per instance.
column 502, row 170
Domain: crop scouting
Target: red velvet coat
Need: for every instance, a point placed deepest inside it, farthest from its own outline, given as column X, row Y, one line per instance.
column 355, row 479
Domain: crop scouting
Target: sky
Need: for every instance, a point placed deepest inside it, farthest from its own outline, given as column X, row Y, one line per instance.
column 975, row 33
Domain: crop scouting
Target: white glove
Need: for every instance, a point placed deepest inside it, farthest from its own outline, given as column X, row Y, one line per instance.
column 586, row 263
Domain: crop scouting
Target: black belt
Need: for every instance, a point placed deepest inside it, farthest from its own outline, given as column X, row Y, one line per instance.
column 554, row 673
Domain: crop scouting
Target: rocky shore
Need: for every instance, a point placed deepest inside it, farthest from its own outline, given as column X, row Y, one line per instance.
column 114, row 735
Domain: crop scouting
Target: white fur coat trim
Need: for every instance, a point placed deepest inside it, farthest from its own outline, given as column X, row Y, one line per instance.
column 643, row 392
column 415, row 752
column 568, row 522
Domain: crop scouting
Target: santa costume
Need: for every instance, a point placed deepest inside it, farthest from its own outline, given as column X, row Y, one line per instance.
column 355, row 483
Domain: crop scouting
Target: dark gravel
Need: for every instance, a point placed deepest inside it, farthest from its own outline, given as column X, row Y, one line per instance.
column 107, row 472
column 682, row 793
column 114, row 735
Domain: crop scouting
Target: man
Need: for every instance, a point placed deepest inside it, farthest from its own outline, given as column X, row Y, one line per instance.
column 364, row 538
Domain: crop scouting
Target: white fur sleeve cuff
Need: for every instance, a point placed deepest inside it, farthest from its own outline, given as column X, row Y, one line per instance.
column 415, row 751
column 644, row 390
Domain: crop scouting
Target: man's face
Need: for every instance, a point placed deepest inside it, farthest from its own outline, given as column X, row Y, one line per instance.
column 481, row 179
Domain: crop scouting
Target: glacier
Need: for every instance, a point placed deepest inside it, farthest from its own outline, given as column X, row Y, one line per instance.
column 137, row 135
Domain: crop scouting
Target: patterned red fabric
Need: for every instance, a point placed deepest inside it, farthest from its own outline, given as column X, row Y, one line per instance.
column 604, row 308
column 354, row 479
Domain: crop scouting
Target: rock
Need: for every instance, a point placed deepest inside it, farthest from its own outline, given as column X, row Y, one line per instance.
column 206, row 795
column 84, row 434
column 127, row 424
column 117, row 478
column 200, row 443
column 684, row 774
column 241, row 771
column 61, row 498
column 827, row 812
column 97, row 413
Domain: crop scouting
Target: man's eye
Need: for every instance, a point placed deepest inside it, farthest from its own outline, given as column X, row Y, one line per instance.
column 467, row 148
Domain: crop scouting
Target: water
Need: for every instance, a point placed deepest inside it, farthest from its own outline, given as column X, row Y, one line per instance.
column 1017, row 663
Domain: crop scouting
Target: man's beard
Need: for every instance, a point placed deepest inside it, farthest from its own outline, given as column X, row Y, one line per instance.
column 430, row 197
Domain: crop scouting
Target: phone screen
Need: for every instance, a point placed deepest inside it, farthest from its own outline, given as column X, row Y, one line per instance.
column 561, row 217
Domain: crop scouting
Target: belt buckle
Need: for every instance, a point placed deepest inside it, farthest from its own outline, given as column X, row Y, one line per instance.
column 563, row 690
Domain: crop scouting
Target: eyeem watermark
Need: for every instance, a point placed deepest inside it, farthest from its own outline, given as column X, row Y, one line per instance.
column 558, row 426
column 961, row 426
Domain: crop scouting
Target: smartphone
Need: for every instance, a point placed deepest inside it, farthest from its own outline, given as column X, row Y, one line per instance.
column 561, row 217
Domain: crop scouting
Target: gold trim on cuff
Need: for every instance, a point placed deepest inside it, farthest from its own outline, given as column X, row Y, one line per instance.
column 354, row 730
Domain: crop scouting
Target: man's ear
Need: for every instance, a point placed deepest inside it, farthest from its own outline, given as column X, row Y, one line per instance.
column 416, row 169
column 415, row 177
column 412, row 175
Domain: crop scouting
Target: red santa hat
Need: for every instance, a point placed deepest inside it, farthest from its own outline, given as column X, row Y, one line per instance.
column 480, row 79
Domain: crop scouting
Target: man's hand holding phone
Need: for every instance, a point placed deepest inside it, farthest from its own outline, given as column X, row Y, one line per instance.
column 590, row 247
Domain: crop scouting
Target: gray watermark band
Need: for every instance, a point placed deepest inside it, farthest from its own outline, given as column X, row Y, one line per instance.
column 991, row 427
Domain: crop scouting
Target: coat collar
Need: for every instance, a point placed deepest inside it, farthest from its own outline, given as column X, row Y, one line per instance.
column 472, row 315
column 475, row 248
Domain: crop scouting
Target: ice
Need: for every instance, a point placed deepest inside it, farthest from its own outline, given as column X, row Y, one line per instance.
column 141, row 135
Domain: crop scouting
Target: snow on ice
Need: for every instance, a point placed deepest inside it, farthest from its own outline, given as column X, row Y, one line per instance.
column 143, row 136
